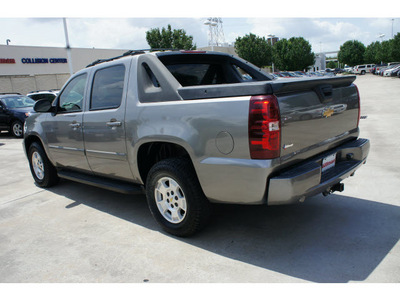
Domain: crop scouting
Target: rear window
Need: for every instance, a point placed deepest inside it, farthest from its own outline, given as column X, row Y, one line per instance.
column 210, row 69
column 197, row 73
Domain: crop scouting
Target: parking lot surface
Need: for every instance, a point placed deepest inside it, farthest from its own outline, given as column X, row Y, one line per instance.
column 77, row 233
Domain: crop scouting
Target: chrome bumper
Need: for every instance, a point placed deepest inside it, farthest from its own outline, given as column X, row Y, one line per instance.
column 307, row 179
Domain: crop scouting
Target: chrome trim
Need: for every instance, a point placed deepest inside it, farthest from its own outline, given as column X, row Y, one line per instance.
column 105, row 152
column 66, row 148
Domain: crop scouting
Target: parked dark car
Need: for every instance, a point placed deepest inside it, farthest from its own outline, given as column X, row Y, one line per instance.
column 377, row 67
column 14, row 109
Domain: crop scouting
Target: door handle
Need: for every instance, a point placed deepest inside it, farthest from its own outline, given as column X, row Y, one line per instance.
column 114, row 123
column 75, row 125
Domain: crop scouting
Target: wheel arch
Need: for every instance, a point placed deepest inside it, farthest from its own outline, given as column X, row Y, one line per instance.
column 151, row 153
column 29, row 140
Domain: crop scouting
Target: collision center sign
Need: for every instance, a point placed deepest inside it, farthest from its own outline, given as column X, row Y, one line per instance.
column 44, row 60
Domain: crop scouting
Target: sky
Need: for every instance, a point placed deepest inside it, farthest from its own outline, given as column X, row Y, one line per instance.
column 124, row 26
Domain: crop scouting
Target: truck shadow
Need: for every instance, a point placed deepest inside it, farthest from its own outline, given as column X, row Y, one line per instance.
column 333, row 239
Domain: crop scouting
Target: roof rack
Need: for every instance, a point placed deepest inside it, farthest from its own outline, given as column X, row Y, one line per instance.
column 10, row 93
column 129, row 53
column 50, row 90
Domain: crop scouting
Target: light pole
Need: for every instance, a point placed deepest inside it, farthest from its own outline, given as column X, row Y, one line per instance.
column 381, row 35
column 270, row 37
column 392, row 27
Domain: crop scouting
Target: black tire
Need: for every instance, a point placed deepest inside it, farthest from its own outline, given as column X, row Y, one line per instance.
column 17, row 129
column 183, row 186
column 45, row 174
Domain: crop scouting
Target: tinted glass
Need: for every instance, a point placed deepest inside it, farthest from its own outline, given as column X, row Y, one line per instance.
column 197, row 74
column 71, row 98
column 108, row 85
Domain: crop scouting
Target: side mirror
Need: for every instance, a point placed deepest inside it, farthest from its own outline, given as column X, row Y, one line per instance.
column 43, row 106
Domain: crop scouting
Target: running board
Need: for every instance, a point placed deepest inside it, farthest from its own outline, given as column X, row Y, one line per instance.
column 101, row 182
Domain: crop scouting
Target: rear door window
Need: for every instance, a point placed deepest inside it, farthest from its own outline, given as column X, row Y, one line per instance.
column 108, row 85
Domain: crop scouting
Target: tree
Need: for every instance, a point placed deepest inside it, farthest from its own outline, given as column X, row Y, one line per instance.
column 293, row 54
column 169, row 39
column 371, row 54
column 352, row 53
column 254, row 49
column 395, row 48
column 331, row 65
column 384, row 54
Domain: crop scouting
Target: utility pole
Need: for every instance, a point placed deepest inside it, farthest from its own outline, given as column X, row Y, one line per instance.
column 68, row 47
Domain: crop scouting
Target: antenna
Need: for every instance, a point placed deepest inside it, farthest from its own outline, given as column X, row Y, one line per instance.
column 216, row 32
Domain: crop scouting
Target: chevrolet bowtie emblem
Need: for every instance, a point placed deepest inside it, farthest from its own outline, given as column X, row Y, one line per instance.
column 327, row 112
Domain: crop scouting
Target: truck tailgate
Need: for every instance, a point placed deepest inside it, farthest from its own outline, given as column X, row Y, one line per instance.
column 316, row 115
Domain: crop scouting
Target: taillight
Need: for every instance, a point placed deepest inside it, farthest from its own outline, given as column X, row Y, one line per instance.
column 264, row 127
column 359, row 106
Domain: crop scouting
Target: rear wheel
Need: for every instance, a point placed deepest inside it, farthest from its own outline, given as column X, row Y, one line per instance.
column 175, row 197
column 44, row 173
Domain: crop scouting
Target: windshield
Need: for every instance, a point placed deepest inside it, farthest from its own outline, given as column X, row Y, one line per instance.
column 18, row 101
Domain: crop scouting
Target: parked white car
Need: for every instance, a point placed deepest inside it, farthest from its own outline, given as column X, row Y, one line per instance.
column 348, row 69
column 362, row 69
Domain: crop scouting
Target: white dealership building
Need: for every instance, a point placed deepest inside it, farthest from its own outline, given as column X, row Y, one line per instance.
column 25, row 68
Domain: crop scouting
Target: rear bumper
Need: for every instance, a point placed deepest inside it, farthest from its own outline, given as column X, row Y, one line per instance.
column 307, row 179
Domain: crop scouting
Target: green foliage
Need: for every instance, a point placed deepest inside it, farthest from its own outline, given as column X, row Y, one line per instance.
column 384, row 54
column 168, row 38
column 254, row 49
column 352, row 53
column 293, row 54
column 331, row 65
column 372, row 52
column 376, row 52
column 395, row 48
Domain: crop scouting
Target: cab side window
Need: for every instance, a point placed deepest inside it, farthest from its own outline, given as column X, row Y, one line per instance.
column 108, row 85
column 71, row 98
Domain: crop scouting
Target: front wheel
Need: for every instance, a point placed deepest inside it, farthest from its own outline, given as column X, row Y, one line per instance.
column 17, row 129
column 43, row 172
column 175, row 197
